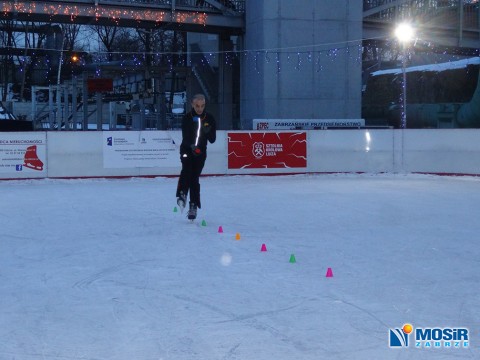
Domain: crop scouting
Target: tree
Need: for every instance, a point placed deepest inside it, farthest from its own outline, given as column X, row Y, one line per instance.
column 71, row 34
column 106, row 35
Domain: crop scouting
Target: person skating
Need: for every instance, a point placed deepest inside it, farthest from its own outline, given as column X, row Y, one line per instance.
column 198, row 128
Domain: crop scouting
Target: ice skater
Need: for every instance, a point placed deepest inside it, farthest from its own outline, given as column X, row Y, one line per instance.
column 198, row 128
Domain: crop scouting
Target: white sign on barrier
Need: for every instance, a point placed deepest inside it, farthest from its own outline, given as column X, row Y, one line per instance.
column 123, row 149
column 301, row 124
column 23, row 153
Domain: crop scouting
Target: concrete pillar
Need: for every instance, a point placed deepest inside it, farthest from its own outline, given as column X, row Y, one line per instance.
column 302, row 60
column 225, row 85
column 85, row 101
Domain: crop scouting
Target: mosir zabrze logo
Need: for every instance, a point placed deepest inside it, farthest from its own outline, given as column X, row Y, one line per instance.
column 428, row 337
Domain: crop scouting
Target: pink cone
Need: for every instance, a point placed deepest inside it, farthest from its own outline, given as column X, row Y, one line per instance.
column 329, row 273
column 220, row 229
column 264, row 248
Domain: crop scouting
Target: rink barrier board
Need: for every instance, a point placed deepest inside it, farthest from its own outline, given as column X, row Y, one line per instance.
column 435, row 151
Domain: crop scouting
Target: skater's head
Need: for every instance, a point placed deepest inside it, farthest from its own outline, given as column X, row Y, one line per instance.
column 198, row 103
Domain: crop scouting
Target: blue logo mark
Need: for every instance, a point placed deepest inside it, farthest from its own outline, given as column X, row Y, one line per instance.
column 445, row 338
column 398, row 338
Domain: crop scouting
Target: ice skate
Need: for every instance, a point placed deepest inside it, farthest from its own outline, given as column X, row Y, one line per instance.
column 31, row 159
column 192, row 212
column 181, row 201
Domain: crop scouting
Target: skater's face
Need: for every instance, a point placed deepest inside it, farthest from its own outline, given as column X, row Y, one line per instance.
column 198, row 105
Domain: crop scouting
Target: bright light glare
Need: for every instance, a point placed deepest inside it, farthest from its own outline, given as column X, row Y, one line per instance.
column 404, row 32
column 367, row 140
column 226, row 259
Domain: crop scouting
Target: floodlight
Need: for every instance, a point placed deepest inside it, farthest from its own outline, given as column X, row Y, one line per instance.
column 404, row 32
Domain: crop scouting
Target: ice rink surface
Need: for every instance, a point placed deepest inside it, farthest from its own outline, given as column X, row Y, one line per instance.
column 105, row 269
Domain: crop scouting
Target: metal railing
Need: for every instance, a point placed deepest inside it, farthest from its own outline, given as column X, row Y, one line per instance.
column 443, row 22
column 439, row 12
column 237, row 6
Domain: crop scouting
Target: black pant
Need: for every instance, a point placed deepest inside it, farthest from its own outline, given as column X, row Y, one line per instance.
column 192, row 167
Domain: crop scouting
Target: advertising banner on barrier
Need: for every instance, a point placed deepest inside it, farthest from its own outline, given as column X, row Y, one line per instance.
column 301, row 124
column 123, row 149
column 23, row 153
column 265, row 150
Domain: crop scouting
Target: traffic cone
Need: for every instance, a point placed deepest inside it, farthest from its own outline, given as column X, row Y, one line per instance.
column 175, row 209
column 237, row 236
column 264, row 248
column 204, row 223
column 292, row 259
column 329, row 273
column 220, row 229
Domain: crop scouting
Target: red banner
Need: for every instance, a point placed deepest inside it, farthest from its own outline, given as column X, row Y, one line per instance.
column 260, row 150
column 99, row 85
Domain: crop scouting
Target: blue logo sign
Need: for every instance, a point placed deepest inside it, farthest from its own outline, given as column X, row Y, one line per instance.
column 399, row 337
column 444, row 338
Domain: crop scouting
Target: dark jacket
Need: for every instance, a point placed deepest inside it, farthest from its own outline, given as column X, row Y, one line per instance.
column 192, row 135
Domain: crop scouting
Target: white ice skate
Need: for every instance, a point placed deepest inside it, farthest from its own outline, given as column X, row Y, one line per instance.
column 181, row 201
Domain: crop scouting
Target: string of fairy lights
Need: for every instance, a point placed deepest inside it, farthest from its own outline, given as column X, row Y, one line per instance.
column 276, row 60
column 95, row 11
column 298, row 57
column 313, row 57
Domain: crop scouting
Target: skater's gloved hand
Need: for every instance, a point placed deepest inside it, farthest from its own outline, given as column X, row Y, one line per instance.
column 206, row 127
column 196, row 150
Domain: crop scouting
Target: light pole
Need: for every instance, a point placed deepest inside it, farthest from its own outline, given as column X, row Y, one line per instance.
column 404, row 33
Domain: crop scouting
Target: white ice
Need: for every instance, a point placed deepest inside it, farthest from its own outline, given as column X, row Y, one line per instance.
column 105, row 269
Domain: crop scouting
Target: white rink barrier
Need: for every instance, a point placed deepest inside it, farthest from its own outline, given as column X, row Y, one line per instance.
column 87, row 154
